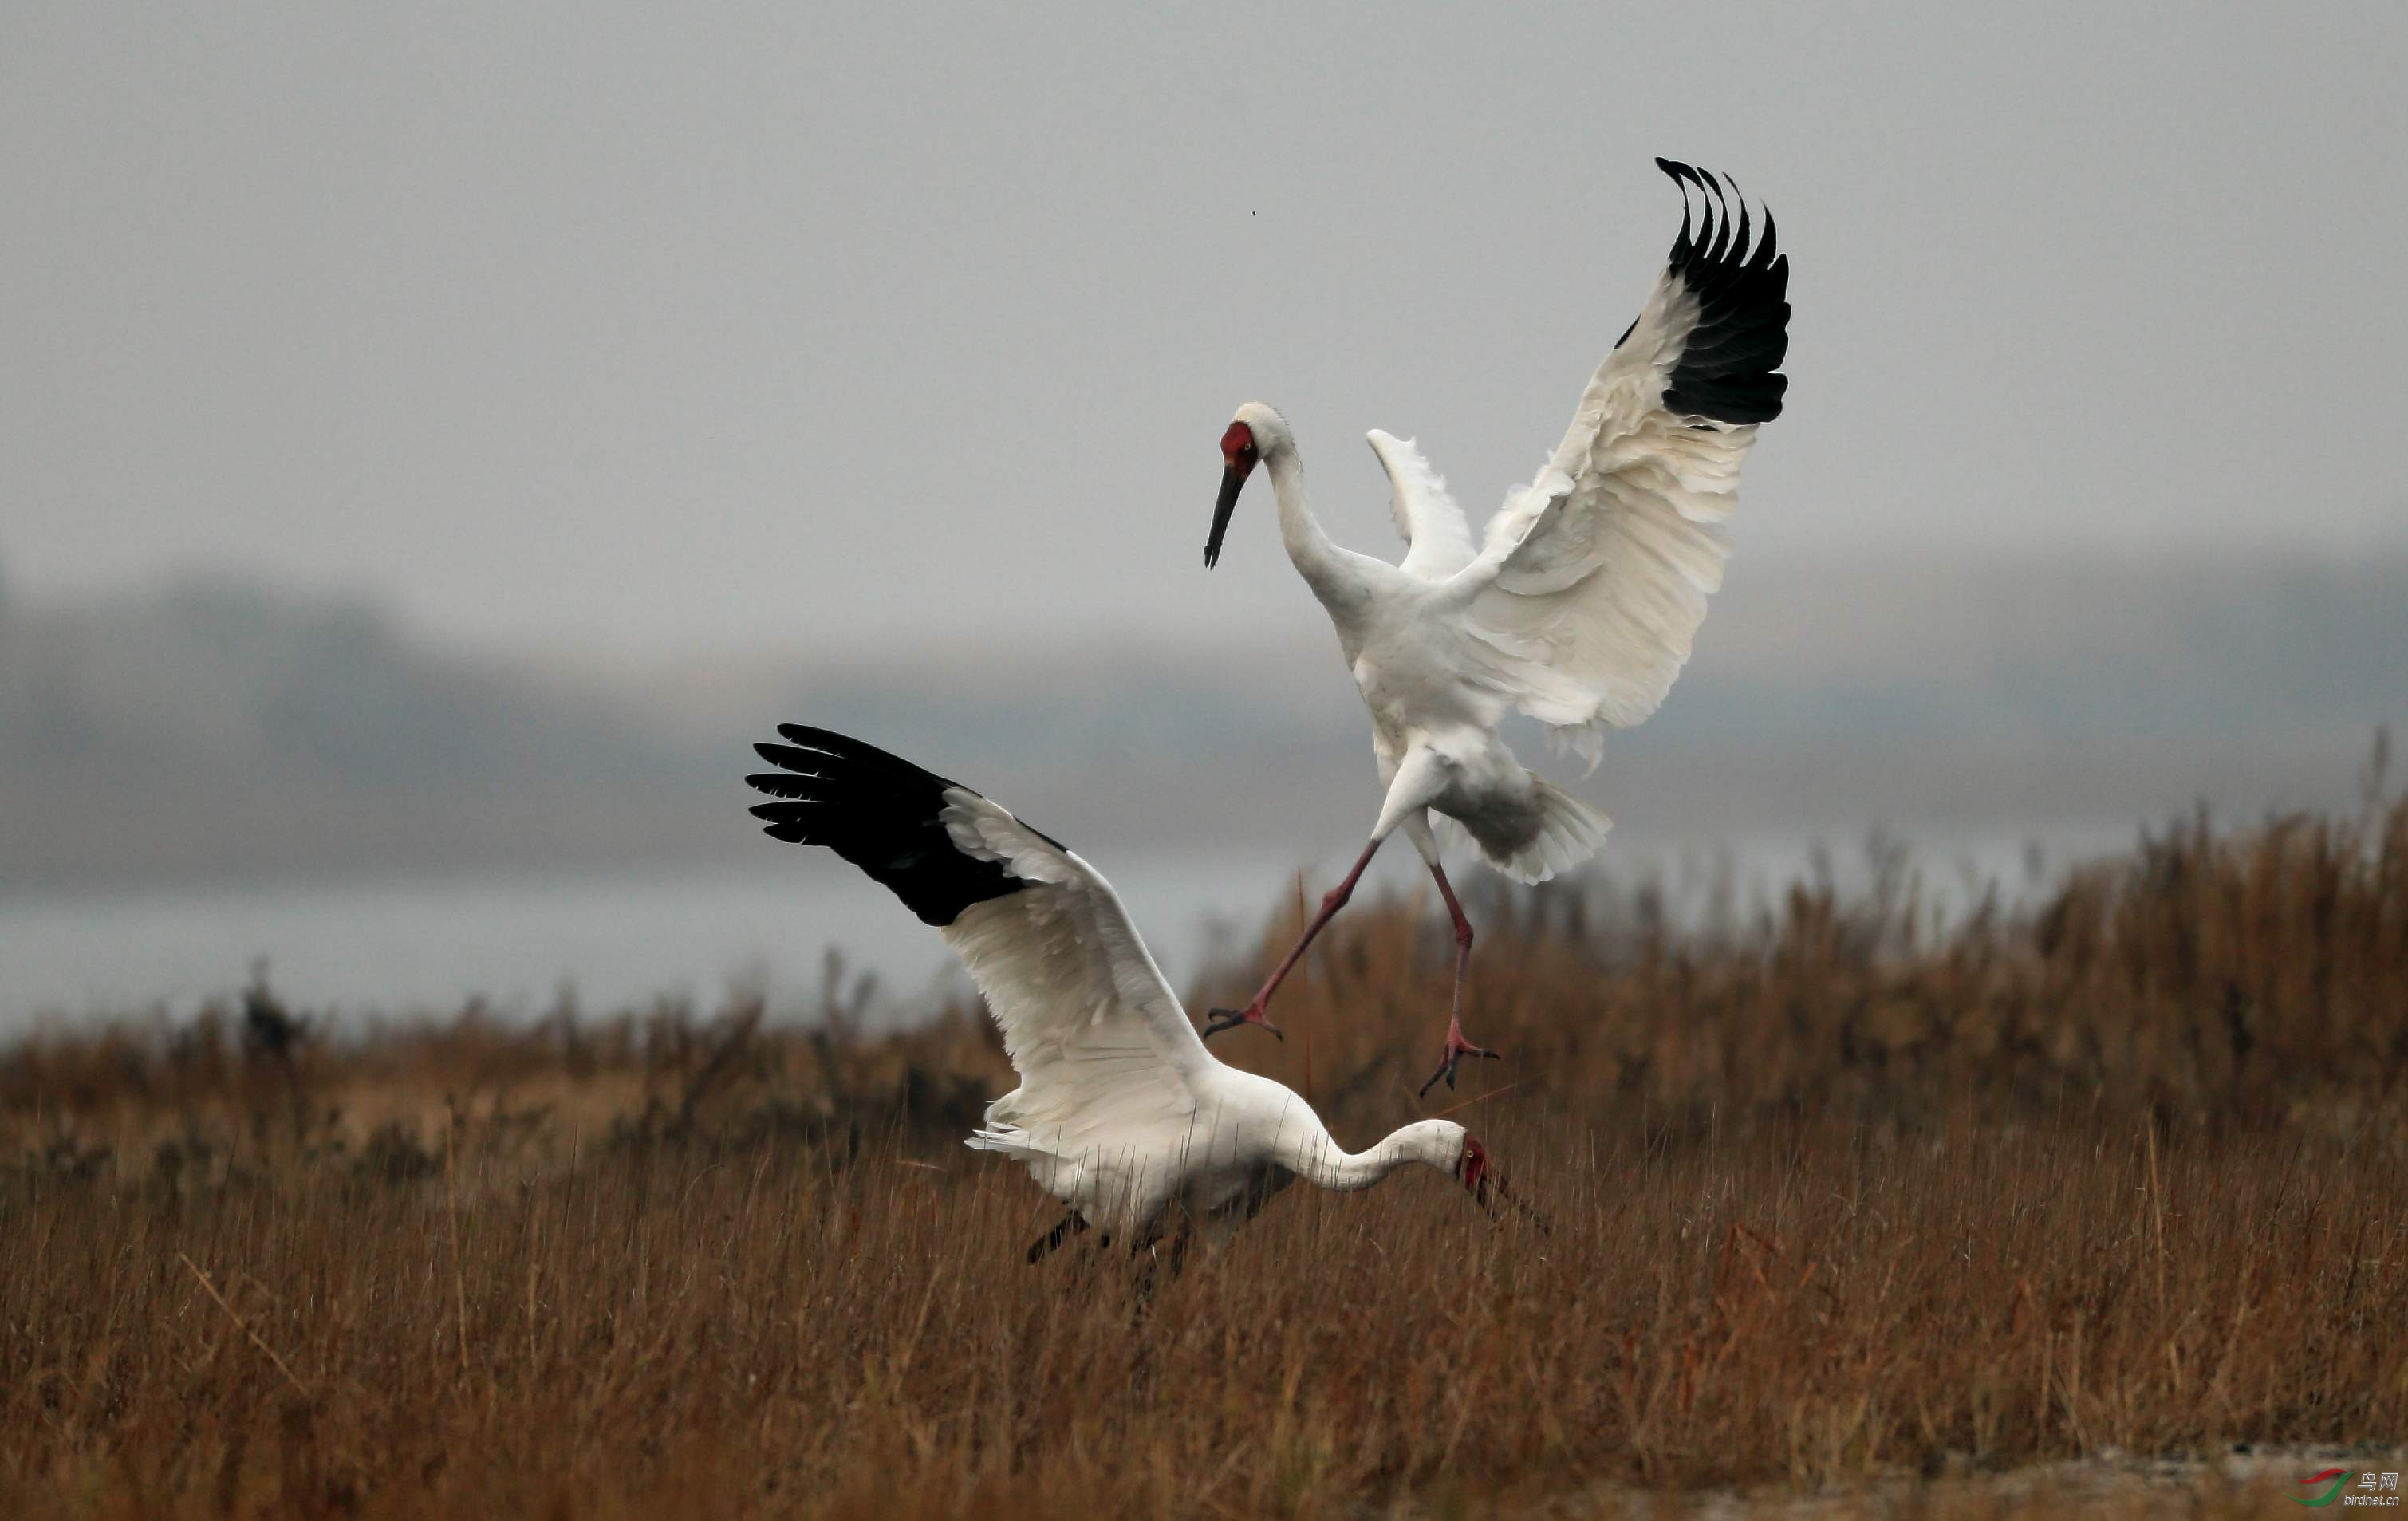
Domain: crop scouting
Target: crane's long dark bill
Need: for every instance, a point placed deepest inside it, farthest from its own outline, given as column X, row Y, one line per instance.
column 1233, row 480
column 1534, row 1215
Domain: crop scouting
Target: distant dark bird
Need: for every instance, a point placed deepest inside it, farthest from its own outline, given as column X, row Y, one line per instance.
column 1121, row 1112
column 1578, row 608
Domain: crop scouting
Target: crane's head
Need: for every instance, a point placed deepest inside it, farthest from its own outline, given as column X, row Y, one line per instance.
column 1486, row 1183
column 1256, row 431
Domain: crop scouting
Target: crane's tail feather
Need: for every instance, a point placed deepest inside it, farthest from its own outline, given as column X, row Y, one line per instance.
column 1568, row 832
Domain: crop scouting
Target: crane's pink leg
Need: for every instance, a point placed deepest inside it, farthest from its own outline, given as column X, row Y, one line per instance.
column 1331, row 901
column 1457, row 1046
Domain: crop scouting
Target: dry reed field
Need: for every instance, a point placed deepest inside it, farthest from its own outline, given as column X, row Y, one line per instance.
column 1850, row 1211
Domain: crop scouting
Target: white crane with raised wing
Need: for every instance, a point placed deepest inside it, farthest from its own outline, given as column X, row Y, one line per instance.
column 1578, row 605
column 1121, row 1112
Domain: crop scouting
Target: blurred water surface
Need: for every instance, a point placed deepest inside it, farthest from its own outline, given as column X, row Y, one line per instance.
column 354, row 948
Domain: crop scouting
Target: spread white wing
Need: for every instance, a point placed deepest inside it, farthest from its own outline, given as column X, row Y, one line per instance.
column 1438, row 540
column 1593, row 578
column 1105, row 1052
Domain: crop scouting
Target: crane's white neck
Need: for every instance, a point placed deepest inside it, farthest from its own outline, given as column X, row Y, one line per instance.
column 1320, row 1160
column 1309, row 548
column 1297, row 529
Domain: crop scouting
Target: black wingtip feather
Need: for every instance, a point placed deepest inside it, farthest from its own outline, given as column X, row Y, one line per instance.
column 1718, row 221
column 1724, row 373
column 877, row 811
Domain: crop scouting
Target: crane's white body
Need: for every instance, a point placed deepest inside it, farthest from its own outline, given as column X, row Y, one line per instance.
column 1578, row 603
column 1121, row 1114
column 1436, row 697
column 1120, row 1111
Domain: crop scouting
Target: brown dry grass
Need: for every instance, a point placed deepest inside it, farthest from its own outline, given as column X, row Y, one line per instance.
column 1838, row 1197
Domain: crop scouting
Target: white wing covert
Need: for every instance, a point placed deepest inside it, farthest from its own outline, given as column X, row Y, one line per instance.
column 1594, row 578
column 1098, row 1038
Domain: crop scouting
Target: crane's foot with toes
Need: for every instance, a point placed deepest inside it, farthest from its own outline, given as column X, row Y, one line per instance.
column 1229, row 1019
column 1456, row 1049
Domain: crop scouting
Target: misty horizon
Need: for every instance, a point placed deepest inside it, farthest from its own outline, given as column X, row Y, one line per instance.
column 310, row 733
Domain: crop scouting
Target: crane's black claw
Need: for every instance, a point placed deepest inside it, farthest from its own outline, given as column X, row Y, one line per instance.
column 1446, row 1070
column 1229, row 1019
column 1456, row 1052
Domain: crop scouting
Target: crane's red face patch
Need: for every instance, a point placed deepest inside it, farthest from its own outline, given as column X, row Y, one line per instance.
column 1473, row 1169
column 1237, row 447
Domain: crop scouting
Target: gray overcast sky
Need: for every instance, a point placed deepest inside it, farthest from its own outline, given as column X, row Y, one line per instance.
column 657, row 328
